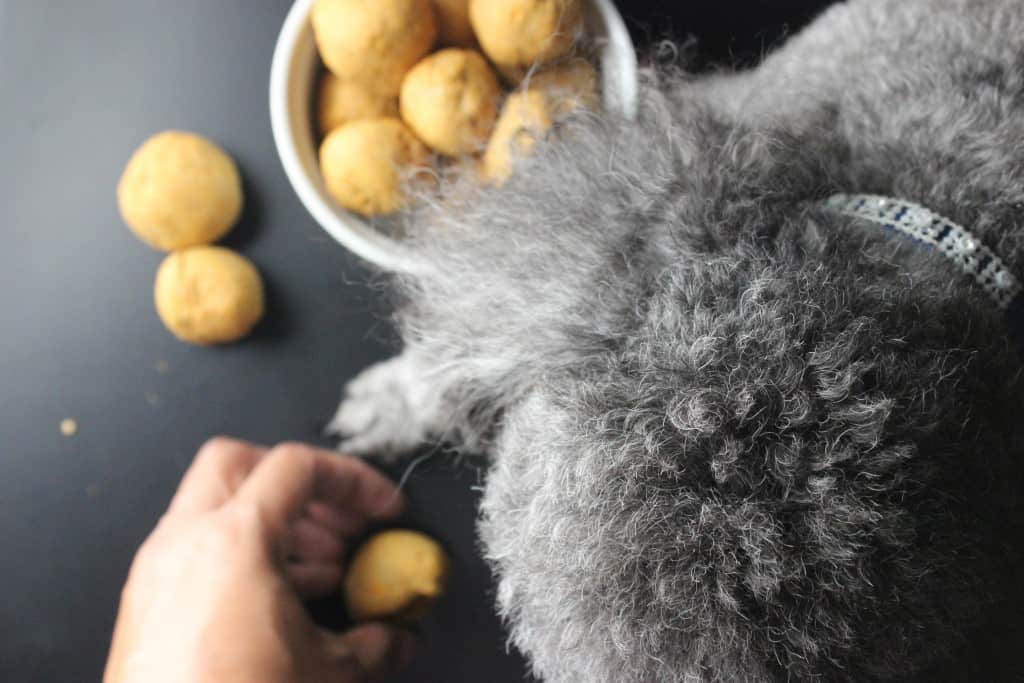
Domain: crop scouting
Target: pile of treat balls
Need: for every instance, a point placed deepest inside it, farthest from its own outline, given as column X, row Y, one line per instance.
column 391, row 106
column 180, row 193
column 411, row 87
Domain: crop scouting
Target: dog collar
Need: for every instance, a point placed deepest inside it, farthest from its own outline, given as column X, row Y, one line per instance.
column 954, row 241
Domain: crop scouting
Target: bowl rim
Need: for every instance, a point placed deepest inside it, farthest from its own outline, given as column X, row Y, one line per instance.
column 352, row 231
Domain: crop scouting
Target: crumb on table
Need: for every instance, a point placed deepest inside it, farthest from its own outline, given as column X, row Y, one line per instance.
column 68, row 427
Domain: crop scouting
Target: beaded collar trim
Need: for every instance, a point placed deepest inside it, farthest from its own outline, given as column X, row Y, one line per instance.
column 954, row 241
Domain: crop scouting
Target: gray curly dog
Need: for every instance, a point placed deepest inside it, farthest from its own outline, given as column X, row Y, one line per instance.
column 734, row 434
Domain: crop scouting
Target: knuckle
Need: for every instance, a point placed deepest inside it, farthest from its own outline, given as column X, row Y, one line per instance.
column 292, row 447
column 296, row 452
column 234, row 525
column 218, row 447
column 226, row 455
column 242, row 516
column 216, row 537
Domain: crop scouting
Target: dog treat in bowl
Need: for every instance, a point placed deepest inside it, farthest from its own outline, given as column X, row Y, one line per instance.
column 396, row 575
column 208, row 295
column 453, row 26
column 340, row 102
column 450, row 100
column 180, row 190
column 527, row 114
column 519, row 33
column 602, row 38
column 524, row 118
column 375, row 42
column 569, row 86
column 366, row 164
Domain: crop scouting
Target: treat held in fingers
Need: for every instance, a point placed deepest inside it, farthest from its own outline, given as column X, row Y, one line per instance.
column 396, row 575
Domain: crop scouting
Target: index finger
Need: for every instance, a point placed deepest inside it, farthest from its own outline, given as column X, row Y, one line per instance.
column 217, row 471
column 292, row 475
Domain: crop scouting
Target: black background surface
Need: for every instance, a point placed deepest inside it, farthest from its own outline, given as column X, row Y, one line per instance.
column 81, row 85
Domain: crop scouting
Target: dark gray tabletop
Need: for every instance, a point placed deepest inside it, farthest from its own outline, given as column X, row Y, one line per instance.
column 81, row 85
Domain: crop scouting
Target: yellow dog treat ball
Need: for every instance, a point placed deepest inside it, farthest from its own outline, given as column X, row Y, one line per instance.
column 453, row 24
column 522, row 32
column 340, row 102
column 208, row 295
column 450, row 100
column 568, row 86
column 396, row 575
column 366, row 164
column 526, row 115
column 373, row 41
column 180, row 190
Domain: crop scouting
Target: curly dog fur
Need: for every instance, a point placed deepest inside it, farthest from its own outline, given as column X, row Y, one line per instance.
column 736, row 437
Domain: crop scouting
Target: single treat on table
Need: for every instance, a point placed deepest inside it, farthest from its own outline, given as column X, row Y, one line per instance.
column 367, row 164
column 340, row 102
column 374, row 42
column 209, row 295
column 568, row 86
column 450, row 100
column 180, row 190
column 525, row 117
column 519, row 33
column 396, row 575
column 453, row 26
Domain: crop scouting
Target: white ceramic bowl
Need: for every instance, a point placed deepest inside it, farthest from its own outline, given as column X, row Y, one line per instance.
column 292, row 79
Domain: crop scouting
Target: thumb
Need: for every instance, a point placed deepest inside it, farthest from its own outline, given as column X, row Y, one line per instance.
column 370, row 652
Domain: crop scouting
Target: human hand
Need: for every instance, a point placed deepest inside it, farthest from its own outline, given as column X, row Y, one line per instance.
column 214, row 593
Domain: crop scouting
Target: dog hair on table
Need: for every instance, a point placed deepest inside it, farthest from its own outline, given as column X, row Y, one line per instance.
column 734, row 435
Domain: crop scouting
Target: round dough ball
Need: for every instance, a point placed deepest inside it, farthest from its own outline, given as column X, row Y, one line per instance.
column 180, row 190
column 373, row 41
column 526, row 115
column 396, row 575
column 522, row 32
column 450, row 100
column 209, row 295
column 367, row 163
column 340, row 102
column 453, row 24
column 568, row 87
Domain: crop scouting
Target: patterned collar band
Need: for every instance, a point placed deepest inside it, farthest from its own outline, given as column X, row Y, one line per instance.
column 954, row 241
